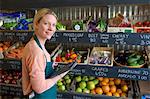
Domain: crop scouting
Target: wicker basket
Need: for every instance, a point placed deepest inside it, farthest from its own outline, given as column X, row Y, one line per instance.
column 138, row 66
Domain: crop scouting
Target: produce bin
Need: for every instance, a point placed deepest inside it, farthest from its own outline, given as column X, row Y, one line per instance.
column 101, row 56
column 68, row 54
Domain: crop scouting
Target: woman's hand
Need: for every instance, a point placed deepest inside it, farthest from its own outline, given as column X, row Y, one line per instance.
column 54, row 65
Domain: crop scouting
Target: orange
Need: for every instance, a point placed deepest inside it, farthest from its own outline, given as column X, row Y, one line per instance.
column 123, row 82
column 109, row 94
column 119, row 91
column 106, row 80
column 99, row 90
column 100, row 78
column 116, row 94
column 111, row 82
column 93, row 91
column 124, row 88
column 117, row 81
column 102, row 83
column 113, row 89
column 105, row 88
column 123, row 94
column 111, row 78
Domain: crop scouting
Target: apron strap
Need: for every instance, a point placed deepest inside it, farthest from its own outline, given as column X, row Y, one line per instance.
column 39, row 44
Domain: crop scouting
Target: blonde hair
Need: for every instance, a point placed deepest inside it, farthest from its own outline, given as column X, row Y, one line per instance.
column 40, row 14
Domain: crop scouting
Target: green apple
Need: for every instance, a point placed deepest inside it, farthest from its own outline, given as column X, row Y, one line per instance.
column 79, row 90
column 90, row 85
column 91, row 78
column 85, row 78
column 85, row 90
column 61, row 88
column 66, row 77
column 82, row 84
column 68, row 81
column 96, row 81
column 78, row 78
column 59, row 83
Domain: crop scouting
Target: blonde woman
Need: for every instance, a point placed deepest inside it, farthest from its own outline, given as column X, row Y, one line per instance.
column 36, row 65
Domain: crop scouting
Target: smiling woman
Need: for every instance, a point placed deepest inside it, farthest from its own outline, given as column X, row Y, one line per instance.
column 36, row 65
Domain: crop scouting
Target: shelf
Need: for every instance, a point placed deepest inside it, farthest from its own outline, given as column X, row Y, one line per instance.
column 91, row 70
column 142, row 39
column 16, row 4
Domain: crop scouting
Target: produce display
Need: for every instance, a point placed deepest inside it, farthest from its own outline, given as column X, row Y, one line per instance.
column 15, row 51
column 96, row 85
column 4, row 46
column 130, row 59
column 101, row 56
column 68, row 55
column 64, row 84
column 10, row 77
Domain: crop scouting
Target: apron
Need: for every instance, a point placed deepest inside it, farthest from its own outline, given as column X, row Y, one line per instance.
column 51, row 93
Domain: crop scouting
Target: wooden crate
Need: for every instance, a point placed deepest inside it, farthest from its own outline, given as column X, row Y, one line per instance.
column 107, row 52
column 61, row 49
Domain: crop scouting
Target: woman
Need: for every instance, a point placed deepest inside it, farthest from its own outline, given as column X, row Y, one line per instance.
column 36, row 65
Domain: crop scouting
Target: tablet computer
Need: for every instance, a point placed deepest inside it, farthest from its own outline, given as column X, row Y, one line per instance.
column 63, row 69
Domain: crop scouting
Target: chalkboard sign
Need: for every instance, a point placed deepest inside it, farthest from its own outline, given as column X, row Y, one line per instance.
column 8, row 35
column 103, row 38
column 10, row 90
column 115, row 72
column 10, row 64
column 83, row 37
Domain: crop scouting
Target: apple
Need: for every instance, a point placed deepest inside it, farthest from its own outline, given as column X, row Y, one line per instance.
column 78, row 78
column 85, row 78
column 82, row 84
column 90, row 85
column 61, row 88
column 85, row 90
column 68, row 81
column 79, row 90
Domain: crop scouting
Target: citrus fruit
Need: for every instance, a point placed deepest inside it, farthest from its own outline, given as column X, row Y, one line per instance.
column 109, row 94
column 105, row 88
column 124, row 88
column 117, row 81
column 113, row 89
column 116, row 94
column 111, row 82
column 105, row 80
column 99, row 90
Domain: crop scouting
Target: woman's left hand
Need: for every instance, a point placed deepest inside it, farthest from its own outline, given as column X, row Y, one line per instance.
column 54, row 65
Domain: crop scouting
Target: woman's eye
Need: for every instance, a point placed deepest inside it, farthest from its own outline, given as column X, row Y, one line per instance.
column 45, row 23
column 54, row 24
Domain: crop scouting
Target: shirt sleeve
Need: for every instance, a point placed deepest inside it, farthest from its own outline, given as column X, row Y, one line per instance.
column 36, row 66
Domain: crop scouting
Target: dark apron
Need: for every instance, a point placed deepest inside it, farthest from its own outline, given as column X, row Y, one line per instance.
column 51, row 93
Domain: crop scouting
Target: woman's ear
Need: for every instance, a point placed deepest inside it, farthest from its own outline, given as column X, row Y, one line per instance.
column 36, row 26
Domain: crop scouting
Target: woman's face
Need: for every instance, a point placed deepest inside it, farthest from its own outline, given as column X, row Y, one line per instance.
column 47, row 26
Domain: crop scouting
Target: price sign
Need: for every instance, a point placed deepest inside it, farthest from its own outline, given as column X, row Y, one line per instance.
column 72, row 37
column 11, row 90
column 10, row 64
